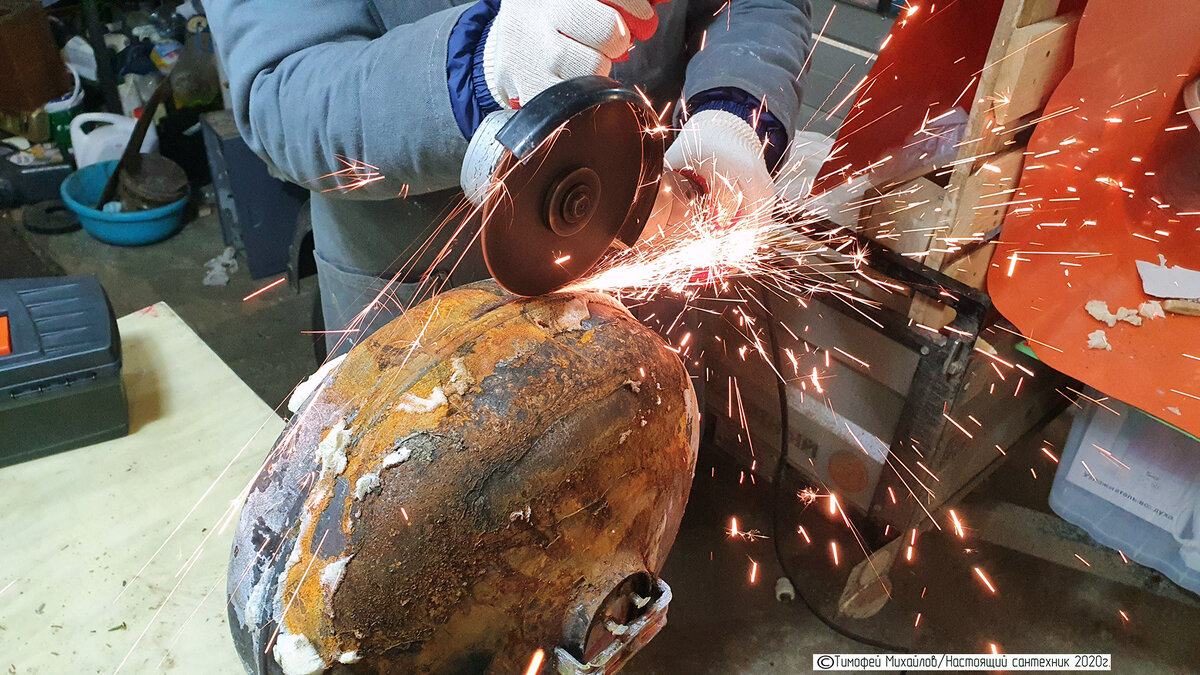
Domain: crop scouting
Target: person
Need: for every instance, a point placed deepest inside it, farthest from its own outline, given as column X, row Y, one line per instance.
column 397, row 88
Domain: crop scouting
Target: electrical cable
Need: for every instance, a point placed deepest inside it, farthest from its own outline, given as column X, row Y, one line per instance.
column 776, row 510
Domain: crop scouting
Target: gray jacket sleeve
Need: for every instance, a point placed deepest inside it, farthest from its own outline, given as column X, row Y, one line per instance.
column 758, row 46
column 313, row 81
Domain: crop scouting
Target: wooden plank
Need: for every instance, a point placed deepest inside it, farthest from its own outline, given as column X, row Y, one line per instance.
column 986, row 195
column 79, row 525
column 978, row 139
column 1037, row 10
column 905, row 219
column 1039, row 56
column 982, row 203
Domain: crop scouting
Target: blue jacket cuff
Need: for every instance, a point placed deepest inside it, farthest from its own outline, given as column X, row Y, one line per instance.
column 739, row 102
column 469, row 95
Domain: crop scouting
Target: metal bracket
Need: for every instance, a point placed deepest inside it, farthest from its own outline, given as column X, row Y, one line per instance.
column 619, row 652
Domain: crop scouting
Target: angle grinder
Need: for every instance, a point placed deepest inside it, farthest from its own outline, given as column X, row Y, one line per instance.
column 574, row 173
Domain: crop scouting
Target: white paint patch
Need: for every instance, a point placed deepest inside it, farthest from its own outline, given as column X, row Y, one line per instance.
column 1152, row 310
column 605, row 300
column 310, row 384
column 398, row 457
column 1128, row 315
column 256, row 604
column 460, row 379
column 296, row 655
column 624, row 435
column 367, row 484
column 635, row 387
column 332, row 575
column 331, row 451
column 574, row 313
column 349, row 657
column 411, row 403
column 1099, row 311
column 1098, row 340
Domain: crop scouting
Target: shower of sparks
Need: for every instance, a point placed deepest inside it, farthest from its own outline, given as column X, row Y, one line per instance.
column 353, row 175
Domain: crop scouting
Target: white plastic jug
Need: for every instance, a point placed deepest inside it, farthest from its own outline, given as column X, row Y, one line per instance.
column 107, row 140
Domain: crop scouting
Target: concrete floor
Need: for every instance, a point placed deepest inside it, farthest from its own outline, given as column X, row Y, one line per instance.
column 720, row 622
column 260, row 339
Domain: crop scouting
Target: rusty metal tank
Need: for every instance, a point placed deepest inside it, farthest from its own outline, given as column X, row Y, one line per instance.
column 484, row 477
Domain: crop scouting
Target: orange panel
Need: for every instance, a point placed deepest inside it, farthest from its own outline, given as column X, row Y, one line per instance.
column 1096, row 181
column 929, row 65
column 5, row 340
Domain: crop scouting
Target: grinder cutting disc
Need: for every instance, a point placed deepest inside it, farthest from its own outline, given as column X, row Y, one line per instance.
column 580, row 172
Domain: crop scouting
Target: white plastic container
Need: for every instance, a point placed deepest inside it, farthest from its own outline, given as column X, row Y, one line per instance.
column 1133, row 483
column 107, row 140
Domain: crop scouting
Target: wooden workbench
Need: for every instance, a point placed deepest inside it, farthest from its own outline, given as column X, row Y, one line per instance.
column 76, row 528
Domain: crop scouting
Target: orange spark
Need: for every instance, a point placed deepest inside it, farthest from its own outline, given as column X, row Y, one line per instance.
column 958, row 528
column 266, row 288
column 535, row 662
column 983, row 577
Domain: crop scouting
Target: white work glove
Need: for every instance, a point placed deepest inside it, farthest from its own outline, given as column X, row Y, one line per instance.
column 723, row 152
column 534, row 44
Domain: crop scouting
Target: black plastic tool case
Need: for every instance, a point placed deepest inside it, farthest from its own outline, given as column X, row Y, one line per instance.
column 61, row 387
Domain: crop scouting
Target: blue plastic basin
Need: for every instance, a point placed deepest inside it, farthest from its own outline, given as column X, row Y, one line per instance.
column 82, row 189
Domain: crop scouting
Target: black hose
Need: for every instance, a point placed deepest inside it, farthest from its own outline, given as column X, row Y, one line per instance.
column 776, row 509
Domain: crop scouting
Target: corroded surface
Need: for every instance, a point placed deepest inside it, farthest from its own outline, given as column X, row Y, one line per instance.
column 548, row 449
